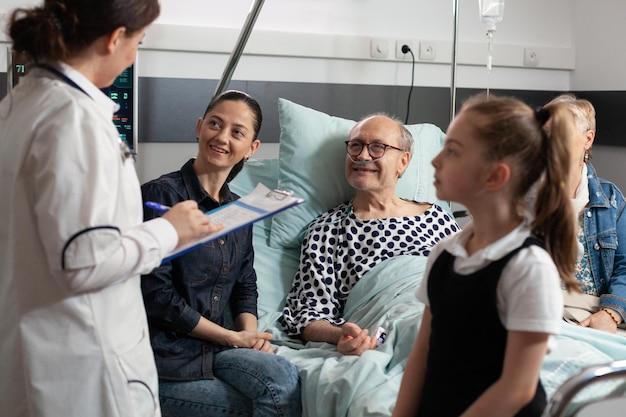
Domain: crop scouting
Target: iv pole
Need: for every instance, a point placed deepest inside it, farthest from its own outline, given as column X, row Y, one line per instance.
column 455, row 41
column 241, row 43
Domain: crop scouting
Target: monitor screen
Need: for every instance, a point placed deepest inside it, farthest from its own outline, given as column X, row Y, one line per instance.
column 18, row 67
column 123, row 91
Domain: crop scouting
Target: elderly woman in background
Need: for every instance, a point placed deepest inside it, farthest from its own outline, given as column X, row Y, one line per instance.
column 341, row 245
column 599, row 204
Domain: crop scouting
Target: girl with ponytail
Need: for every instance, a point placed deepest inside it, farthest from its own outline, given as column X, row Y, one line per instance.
column 492, row 292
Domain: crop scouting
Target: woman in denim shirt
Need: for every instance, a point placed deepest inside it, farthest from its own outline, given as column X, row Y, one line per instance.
column 601, row 270
column 204, row 367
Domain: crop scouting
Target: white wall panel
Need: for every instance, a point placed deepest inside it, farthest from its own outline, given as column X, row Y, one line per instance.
column 592, row 33
column 600, row 39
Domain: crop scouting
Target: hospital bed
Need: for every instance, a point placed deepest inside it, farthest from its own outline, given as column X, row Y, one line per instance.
column 310, row 163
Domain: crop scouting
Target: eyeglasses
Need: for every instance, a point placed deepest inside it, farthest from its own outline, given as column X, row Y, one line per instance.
column 376, row 150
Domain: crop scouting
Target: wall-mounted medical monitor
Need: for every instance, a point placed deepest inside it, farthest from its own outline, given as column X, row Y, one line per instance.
column 17, row 66
column 123, row 91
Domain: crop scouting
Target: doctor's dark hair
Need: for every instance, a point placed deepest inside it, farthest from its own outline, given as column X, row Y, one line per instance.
column 61, row 29
column 515, row 133
column 253, row 105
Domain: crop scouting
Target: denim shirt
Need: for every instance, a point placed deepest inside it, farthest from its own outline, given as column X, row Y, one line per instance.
column 214, row 280
column 605, row 229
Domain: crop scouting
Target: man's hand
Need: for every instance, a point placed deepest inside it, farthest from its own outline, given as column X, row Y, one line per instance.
column 354, row 340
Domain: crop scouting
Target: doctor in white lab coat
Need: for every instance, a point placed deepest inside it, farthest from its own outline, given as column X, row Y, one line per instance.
column 73, row 333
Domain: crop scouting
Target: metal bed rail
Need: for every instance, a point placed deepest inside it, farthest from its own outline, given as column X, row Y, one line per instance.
column 562, row 398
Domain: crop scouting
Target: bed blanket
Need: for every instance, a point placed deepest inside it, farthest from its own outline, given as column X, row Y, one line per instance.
column 578, row 348
column 353, row 386
column 367, row 385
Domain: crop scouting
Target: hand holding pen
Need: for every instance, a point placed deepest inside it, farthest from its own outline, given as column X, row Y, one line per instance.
column 157, row 206
column 188, row 220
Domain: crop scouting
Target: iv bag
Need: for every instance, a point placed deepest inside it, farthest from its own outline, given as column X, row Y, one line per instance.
column 491, row 12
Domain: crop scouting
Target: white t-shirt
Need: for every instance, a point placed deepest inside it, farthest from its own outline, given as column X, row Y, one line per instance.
column 529, row 291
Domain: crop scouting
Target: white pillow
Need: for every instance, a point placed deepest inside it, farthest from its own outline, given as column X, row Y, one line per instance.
column 312, row 161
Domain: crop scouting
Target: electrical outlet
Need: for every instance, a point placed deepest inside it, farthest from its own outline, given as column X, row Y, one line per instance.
column 379, row 48
column 428, row 51
column 399, row 53
column 531, row 57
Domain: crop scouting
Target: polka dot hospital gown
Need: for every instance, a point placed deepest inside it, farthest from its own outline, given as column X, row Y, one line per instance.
column 338, row 249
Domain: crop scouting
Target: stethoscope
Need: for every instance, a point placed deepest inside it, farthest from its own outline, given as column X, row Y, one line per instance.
column 62, row 76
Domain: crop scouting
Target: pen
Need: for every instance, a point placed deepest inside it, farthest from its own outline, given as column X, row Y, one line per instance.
column 157, row 206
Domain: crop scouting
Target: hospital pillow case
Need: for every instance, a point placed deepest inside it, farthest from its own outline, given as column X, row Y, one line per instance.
column 312, row 161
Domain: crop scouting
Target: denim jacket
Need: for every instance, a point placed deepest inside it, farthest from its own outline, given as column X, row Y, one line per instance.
column 605, row 229
column 214, row 280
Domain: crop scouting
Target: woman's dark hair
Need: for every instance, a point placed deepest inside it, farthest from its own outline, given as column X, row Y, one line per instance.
column 235, row 95
column 511, row 130
column 60, row 29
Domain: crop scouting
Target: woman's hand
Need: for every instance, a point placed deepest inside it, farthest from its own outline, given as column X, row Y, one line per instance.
column 264, row 346
column 251, row 339
column 601, row 320
column 190, row 222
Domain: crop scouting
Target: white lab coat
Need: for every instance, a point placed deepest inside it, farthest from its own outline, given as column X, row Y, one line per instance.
column 73, row 331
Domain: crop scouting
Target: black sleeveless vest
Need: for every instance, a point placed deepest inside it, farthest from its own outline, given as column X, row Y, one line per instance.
column 468, row 341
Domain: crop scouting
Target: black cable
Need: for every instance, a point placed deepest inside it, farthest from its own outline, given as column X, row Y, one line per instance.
column 460, row 213
column 405, row 49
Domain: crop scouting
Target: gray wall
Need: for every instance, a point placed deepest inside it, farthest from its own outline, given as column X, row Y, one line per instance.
column 169, row 107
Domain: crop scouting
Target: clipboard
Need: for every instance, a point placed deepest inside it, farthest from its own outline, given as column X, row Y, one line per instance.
column 261, row 203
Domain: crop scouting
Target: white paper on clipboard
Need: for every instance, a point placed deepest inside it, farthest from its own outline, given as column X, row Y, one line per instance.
column 262, row 202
